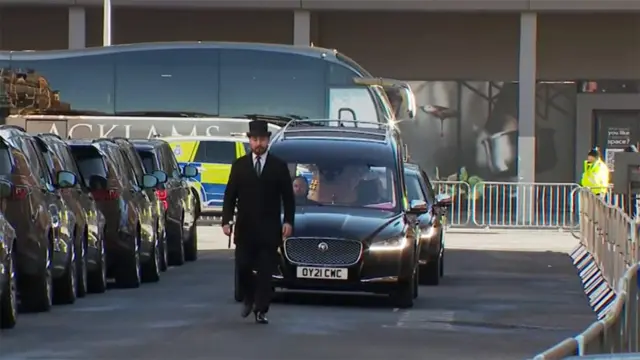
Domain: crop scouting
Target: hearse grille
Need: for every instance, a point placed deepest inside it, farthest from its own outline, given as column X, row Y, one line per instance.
column 322, row 251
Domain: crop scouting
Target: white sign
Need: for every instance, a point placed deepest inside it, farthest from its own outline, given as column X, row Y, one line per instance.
column 609, row 157
column 322, row 273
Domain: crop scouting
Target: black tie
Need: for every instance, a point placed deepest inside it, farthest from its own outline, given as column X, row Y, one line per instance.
column 258, row 166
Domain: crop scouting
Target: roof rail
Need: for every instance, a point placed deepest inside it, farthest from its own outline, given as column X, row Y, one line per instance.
column 50, row 134
column 114, row 138
column 341, row 123
column 323, row 126
column 8, row 126
column 111, row 140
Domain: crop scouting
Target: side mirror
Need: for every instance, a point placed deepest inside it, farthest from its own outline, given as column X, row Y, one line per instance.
column 443, row 200
column 189, row 171
column 149, row 181
column 161, row 175
column 66, row 179
column 417, row 207
column 6, row 189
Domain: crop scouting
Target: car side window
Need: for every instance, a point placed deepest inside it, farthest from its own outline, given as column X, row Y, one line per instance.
column 116, row 160
column 431, row 195
column 21, row 162
column 173, row 163
column 414, row 190
column 39, row 168
column 127, row 163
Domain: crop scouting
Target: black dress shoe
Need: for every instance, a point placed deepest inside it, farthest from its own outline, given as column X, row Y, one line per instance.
column 246, row 309
column 261, row 318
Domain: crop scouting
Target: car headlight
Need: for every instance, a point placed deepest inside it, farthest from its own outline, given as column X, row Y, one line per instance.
column 393, row 244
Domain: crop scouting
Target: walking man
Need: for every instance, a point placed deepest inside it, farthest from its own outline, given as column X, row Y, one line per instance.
column 259, row 186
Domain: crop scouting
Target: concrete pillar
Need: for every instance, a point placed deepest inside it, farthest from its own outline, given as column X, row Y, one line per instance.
column 527, row 114
column 301, row 27
column 77, row 24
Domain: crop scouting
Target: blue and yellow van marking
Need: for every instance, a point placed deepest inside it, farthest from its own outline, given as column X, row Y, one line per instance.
column 211, row 180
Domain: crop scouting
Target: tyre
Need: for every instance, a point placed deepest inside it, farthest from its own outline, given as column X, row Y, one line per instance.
column 64, row 288
column 429, row 274
column 237, row 293
column 402, row 295
column 9, row 298
column 151, row 269
column 81, row 267
column 128, row 273
column 36, row 294
column 191, row 245
column 164, row 260
column 176, row 251
column 97, row 279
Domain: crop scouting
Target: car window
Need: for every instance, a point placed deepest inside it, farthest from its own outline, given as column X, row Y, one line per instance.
column 124, row 173
column 216, row 152
column 21, row 163
column 414, row 189
column 90, row 163
column 36, row 162
column 148, row 161
column 431, row 195
column 174, row 168
column 5, row 159
column 128, row 168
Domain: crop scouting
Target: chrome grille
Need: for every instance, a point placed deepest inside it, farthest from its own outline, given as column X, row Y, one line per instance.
column 322, row 251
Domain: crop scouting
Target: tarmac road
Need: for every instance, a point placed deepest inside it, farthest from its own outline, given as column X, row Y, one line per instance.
column 495, row 302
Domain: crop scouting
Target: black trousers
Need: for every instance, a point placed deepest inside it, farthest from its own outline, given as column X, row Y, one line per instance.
column 256, row 288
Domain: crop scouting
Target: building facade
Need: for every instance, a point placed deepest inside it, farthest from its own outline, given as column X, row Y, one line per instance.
column 529, row 86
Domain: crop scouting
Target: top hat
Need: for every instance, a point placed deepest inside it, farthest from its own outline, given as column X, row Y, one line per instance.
column 258, row 128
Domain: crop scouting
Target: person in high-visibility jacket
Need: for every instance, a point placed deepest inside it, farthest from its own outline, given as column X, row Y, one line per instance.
column 596, row 173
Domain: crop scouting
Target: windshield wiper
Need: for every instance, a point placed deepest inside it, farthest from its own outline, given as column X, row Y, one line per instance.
column 154, row 113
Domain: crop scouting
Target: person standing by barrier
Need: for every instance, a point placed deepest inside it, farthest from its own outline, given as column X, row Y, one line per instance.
column 596, row 174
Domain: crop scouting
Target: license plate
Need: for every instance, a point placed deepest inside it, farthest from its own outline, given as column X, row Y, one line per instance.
column 322, row 273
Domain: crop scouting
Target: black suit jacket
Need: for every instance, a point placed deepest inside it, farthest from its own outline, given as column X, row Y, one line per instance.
column 259, row 200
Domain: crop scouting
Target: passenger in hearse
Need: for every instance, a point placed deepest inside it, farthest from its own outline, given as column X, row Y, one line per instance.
column 301, row 191
column 336, row 184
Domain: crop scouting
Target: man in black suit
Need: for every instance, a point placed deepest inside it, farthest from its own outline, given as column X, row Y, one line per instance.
column 260, row 186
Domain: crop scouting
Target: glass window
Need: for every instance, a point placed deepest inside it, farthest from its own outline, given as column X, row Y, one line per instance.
column 148, row 161
column 36, row 162
column 216, row 152
column 65, row 85
column 5, row 160
column 414, row 190
column 21, row 163
column 125, row 173
column 341, row 75
column 89, row 163
column 180, row 81
column 173, row 168
column 259, row 82
column 431, row 196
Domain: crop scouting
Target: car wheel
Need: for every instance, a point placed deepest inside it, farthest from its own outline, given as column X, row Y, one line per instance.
column 430, row 272
column 164, row 260
column 151, row 269
column 97, row 279
column 176, row 252
column 9, row 299
column 403, row 294
column 37, row 293
column 191, row 245
column 128, row 273
column 64, row 288
column 237, row 293
column 81, row 268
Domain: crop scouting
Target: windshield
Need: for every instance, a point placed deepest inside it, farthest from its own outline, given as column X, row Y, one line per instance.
column 320, row 180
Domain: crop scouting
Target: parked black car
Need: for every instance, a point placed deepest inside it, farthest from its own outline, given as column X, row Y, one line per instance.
column 8, row 281
column 157, row 208
column 90, row 223
column 178, row 201
column 353, row 231
column 432, row 249
column 131, row 239
column 45, row 255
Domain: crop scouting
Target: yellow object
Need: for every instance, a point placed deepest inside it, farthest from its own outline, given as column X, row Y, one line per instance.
column 596, row 176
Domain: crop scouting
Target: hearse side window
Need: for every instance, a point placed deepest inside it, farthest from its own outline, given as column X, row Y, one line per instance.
column 90, row 163
column 216, row 152
column 61, row 86
column 167, row 80
column 148, row 161
column 260, row 82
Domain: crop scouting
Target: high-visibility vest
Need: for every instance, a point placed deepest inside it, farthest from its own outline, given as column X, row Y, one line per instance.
column 596, row 177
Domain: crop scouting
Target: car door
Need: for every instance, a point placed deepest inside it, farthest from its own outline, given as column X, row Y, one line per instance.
column 139, row 197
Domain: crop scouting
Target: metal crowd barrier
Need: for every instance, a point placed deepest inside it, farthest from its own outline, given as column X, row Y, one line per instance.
column 610, row 255
column 511, row 204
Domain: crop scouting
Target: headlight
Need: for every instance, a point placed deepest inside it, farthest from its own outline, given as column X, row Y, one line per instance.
column 394, row 244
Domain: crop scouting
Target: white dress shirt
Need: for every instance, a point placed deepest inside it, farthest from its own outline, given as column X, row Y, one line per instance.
column 263, row 159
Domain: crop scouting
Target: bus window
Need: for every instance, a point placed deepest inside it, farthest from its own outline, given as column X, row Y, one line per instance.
column 273, row 83
column 66, row 85
column 167, row 81
column 345, row 103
